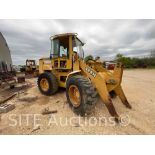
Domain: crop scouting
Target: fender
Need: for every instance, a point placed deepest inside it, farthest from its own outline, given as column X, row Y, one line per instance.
column 73, row 73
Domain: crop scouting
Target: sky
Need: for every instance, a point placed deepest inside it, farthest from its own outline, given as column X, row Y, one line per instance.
column 29, row 39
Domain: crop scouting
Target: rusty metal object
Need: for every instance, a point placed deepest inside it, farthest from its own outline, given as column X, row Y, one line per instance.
column 4, row 108
column 7, row 78
column 20, row 77
column 8, row 98
column 46, row 111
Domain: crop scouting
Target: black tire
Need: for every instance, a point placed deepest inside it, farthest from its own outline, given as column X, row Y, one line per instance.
column 87, row 92
column 52, row 81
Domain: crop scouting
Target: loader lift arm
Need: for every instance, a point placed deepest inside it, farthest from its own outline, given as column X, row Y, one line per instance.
column 106, row 82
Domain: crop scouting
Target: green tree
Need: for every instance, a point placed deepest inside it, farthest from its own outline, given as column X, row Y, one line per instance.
column 119, row 56
column 89, row 57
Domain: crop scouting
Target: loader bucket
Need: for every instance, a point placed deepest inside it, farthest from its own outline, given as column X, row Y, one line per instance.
column 106, row 81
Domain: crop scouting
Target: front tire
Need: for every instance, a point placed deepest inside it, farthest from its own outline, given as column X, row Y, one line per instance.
column 47, row 83
column 81, row 95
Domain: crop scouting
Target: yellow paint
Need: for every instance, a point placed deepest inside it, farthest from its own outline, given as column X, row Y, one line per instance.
column 104, row 80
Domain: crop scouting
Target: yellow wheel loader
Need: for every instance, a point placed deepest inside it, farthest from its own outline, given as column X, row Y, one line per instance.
column 31, row 68
column 83, row 80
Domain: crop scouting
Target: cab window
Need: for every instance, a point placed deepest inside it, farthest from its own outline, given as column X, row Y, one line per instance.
column 60, row 47
column 78, row 47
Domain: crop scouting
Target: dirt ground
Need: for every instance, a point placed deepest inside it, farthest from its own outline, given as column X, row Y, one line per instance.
column 27, row 118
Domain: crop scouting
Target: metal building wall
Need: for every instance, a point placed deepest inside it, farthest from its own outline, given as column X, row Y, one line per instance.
column 5, row 55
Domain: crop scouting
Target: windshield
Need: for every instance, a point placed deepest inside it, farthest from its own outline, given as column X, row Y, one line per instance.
column 55, row 47
column 60, row 47
column 77, row 47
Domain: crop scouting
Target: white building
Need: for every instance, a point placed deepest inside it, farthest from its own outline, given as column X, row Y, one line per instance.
column 5, row 55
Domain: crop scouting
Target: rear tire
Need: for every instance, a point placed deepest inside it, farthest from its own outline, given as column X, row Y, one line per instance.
column 51, row 81
column 88, row 95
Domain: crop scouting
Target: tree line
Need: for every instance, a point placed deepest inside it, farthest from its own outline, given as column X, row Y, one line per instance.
column 132, row 62
column 128, row 62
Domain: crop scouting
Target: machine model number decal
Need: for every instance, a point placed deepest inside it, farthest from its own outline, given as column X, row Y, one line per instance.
column 90, row 72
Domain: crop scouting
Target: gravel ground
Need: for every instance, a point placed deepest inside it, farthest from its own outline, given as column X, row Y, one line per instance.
column 27, row 118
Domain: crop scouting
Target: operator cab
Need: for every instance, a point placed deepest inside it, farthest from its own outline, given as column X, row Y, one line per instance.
column 64, row 47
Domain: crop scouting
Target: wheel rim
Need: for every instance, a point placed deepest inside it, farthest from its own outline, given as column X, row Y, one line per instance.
column 44, row 84
column 74, row 95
